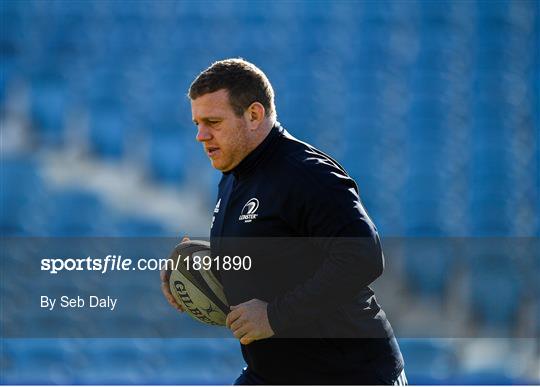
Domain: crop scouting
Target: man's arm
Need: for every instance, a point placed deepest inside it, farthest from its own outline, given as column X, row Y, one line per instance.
column 327, row 208
column 324, row 206
column 352, row 263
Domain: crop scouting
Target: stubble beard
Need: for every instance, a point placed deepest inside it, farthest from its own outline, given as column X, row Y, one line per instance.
column 239, row 147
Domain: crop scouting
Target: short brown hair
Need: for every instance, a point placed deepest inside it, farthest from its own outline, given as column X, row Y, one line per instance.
column 244, row 81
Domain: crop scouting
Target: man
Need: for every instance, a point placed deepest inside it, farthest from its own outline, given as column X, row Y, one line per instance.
column 304, row 312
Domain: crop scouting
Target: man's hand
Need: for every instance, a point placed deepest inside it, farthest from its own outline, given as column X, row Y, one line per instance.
column 248, row 321
column 165, row 289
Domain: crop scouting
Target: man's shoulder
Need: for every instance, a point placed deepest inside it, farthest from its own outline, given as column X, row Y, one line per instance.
column 307, row 162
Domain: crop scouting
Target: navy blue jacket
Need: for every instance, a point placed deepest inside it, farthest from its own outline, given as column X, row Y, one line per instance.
column 296, row 212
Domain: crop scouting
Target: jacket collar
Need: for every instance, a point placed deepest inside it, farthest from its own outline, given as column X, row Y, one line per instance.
column 254, row 158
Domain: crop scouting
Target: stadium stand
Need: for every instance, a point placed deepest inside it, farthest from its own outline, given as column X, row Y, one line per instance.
column 431, row 106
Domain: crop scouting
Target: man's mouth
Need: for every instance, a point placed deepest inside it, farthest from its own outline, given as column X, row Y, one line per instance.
column 211, row 151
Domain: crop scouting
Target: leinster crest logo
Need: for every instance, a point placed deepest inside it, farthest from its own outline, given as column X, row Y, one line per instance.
column 248, row 212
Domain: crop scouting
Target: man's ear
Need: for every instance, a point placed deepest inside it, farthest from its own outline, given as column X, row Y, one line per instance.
column 255, row 114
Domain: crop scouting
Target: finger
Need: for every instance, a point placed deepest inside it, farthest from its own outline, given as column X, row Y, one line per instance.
column 246, row 340
column 233, row 307
column 166, row 289
column 185, row 238
column 165, row 275
column 237, row 324
column 241, row 332
column 167, row 292
column 173, row 302
column 232, row 316
column 178, row 308
column 175, row 306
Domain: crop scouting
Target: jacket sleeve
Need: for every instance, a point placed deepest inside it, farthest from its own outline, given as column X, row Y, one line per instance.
column 328, row 210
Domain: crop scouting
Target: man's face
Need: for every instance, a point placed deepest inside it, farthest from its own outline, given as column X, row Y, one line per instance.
column 223, row 134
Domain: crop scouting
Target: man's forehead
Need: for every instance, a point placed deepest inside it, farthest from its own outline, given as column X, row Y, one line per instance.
column 211, row 104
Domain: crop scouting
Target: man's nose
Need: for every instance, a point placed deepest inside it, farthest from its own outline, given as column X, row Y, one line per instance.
column 203, row 134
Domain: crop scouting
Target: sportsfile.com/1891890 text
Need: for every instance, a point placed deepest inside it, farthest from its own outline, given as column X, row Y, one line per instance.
column 118, row 263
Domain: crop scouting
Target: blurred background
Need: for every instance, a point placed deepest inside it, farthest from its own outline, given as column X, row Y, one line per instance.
column 432, row 106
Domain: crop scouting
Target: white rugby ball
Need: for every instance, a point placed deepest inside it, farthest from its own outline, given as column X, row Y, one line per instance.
column 198, row 291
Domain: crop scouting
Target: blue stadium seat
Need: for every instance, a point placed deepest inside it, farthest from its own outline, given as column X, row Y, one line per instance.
column 138, row 227
column 429, row 361
column 428, row 262
column 41, row 361
column 49, row 105
column 21, row 186
column 422, row 186
column 487, row 377
column 8, row 68
column 113, row 361
column 491, row 217
column 167, row 160
column 75, row 212
column 495, row 290
column 108, row 127
column 7, row 362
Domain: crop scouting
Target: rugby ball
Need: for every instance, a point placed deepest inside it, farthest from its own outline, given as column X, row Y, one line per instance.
column 198, row 291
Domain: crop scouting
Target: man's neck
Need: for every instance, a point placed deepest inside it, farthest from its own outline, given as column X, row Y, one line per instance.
column 261, row 133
